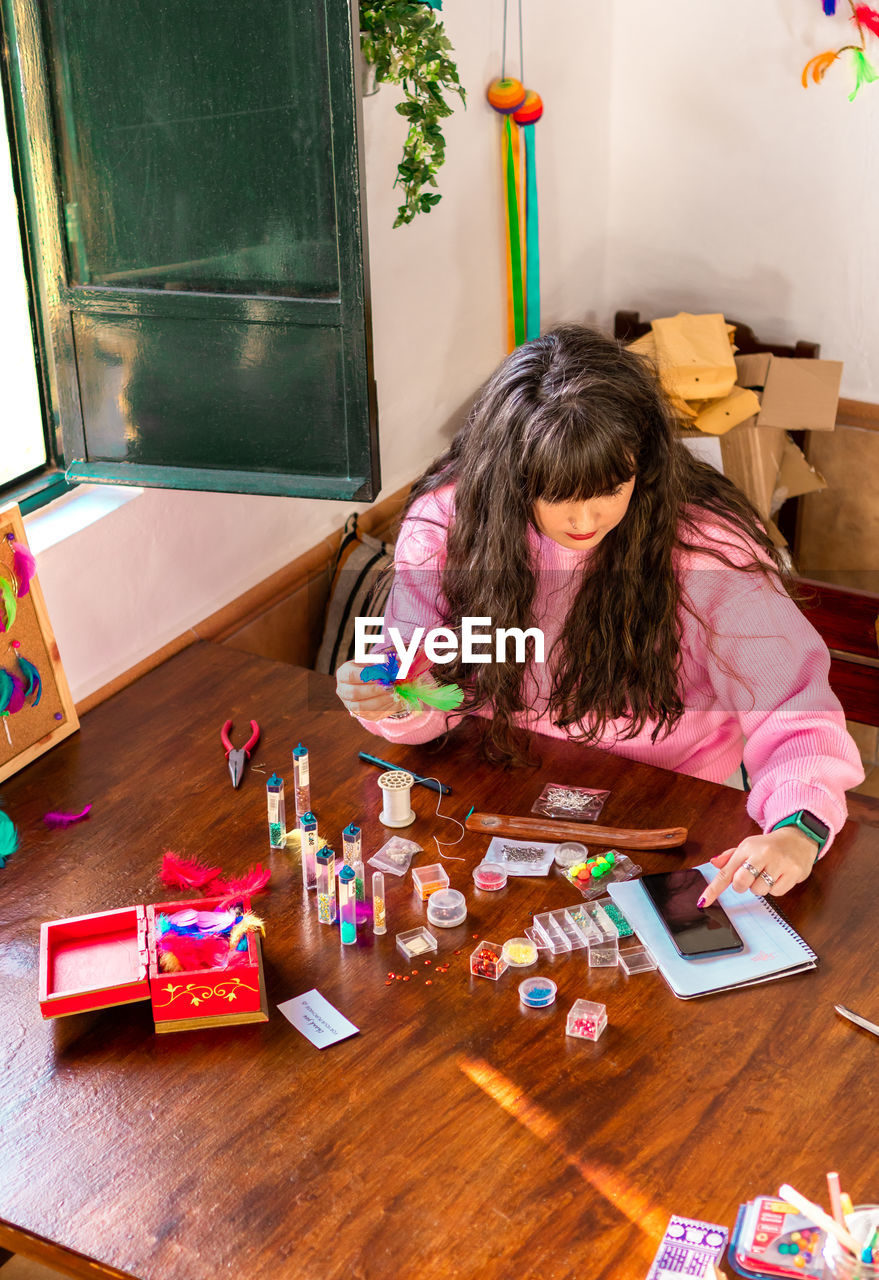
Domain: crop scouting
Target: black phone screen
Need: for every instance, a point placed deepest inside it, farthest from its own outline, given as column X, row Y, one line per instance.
column 695, row 931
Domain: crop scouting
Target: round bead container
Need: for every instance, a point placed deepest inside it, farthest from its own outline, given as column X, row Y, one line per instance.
column 446, row 908
column 519, row 952
column 570, row 852
column 537, row 992
column 489, row 876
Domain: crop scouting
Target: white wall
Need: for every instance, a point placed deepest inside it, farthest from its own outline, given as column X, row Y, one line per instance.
column 140, row 576
column 733, row 188
column 681, row 165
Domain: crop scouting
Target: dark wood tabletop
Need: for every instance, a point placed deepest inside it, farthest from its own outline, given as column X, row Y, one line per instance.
column 459, row 1134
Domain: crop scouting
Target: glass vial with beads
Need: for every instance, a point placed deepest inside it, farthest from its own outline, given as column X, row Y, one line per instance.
column 325, row 860
column 308, row 828
column 301, row 780
column 351, row 855
column 379, row 909
column 277, row 812
column 347, row 906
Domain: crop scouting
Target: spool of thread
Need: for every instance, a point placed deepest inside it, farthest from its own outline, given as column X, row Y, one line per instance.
column 396, row 786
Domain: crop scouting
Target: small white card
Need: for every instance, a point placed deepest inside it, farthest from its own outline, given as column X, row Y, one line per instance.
column 316, row 1018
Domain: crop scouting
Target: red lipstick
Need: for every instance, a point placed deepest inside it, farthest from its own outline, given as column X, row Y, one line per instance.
column 582, row 537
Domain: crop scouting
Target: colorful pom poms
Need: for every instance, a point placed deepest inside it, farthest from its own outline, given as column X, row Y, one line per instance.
column 66, row 819
column 506, row 95
column 530, row 110
column 8, row 838
column 185, row 873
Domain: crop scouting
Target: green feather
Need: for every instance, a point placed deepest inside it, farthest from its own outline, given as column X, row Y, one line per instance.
column 445, row 697
column 8, row 838
column 10, row 603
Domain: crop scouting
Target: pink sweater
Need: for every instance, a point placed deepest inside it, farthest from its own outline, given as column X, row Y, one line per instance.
column 755, row 684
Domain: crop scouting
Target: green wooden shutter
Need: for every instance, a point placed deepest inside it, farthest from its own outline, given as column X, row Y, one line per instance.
column 193, row 201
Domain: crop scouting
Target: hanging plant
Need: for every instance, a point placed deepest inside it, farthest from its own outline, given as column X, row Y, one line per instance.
column 408, row 46
column 865, row 19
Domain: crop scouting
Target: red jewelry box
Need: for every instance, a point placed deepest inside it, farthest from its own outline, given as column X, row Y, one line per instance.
column 110, row 958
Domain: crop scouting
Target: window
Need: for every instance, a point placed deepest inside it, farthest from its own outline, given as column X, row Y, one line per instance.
column 192, row 196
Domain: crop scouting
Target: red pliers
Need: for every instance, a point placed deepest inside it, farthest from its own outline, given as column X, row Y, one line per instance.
column 236, row 755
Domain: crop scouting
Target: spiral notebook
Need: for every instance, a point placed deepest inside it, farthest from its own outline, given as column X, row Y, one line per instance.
column 773, row 948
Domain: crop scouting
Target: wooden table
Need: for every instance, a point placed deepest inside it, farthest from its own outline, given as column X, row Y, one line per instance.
column 458, row 1135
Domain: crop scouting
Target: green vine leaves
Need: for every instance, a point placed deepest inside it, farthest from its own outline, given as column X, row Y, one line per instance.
column 408, row 46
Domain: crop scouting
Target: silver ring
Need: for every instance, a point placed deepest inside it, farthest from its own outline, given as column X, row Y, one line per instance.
column 770, row 880
column 754, row 871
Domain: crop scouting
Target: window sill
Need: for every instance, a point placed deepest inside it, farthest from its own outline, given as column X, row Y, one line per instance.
column 77, row 508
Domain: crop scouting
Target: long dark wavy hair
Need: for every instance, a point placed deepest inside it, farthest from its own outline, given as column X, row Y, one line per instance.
column 564, row 418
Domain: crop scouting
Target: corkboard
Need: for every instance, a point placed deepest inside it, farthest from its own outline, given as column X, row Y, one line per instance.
column 29, row 732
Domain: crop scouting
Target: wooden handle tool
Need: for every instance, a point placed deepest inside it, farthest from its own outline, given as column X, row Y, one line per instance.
column 504, row 824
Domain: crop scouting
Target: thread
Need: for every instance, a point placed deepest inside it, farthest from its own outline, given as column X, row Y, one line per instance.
column 445, row 817
column 396, row 786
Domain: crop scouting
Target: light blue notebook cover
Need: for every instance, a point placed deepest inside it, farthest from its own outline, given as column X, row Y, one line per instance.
column 773, row 949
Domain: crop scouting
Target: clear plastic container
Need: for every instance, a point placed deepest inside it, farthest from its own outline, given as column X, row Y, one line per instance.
column 570, row 852
column 839, row 1263
column 487, row 961
column 563, row 930
column 537, row 993
column 586, row 1020
column 604, row 950
column 428, row 880
column 637, row 960
column 379, row 903
column 489, row 875
column 416, row 942
column 520, row 952
column 446, row 908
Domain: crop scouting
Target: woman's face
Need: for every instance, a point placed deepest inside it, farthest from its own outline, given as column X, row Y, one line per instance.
column 583, row 524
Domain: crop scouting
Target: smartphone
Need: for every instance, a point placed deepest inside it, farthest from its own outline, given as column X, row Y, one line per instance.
column 695, row 931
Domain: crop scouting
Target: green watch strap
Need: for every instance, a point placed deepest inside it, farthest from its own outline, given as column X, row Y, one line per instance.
column 796, row 820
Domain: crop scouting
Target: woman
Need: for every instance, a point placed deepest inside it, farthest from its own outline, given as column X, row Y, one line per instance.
column 568, row 502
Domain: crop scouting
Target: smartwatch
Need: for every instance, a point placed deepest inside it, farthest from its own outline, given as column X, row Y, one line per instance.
column 811, row 826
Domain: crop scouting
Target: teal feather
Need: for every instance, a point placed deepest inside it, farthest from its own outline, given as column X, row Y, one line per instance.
column 34, row 681
column 7, row 689
column 8, row 838
column 10, row 604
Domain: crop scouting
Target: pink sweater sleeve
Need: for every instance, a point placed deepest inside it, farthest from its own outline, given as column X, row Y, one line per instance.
column 416, row 601
column 769, row 667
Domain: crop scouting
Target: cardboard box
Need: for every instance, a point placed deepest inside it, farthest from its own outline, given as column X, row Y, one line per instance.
column 111, row 958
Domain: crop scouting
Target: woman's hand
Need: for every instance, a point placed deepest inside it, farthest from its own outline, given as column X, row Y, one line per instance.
column 370, row 701
column 772, row 864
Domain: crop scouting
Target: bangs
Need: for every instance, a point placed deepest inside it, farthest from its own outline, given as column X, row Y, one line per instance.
column 572, row 461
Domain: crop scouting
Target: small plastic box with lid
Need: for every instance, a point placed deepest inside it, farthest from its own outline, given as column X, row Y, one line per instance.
column 586, row 1020
column 487, row 961
column 428, row 880
column 604, row 951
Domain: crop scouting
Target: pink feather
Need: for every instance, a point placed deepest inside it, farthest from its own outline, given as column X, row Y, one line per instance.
column 185, row 873
column 256, row 880
column 18, row 697
column 867, row 17
column 195, row 953
column 66, row 819
column 24, row 566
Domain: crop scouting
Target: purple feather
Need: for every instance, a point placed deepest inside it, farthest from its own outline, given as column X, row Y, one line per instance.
column 17, row 698
column 24, row 566
column 66, row 819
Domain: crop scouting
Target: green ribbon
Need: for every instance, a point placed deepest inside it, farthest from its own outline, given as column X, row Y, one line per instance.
column 532, row 238
column 515, row 243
